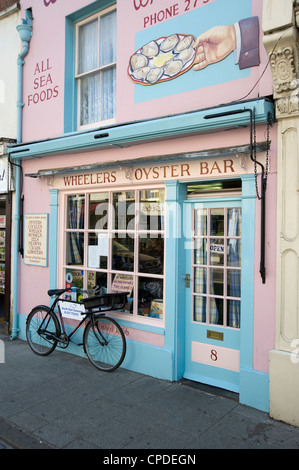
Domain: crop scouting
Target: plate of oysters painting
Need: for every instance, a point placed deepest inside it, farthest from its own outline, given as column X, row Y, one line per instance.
column 162, row 59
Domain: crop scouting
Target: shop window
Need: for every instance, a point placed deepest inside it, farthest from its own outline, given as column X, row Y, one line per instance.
column 96, row 68
column 116, row 240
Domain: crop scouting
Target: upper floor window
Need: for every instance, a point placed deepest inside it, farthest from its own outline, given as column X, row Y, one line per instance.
column 96, row 68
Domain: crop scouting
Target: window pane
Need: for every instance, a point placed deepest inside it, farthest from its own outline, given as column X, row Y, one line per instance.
column 98, row 250
column 88, row 47
column 98, row 211
column 74, row 248
column 90, row 99
column 217, row 222
column 75, row 211
column 108, row 39
column 151, row 214
column 74, row 278
column 123, row 252
column 150, row 297
column 108, row 93
column 124, row 210
column 151, row 253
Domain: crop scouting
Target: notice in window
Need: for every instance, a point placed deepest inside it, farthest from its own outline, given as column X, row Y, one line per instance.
column 123, row 283
column 36, row 239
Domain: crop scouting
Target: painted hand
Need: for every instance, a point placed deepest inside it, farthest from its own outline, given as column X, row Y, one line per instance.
column 214, row 45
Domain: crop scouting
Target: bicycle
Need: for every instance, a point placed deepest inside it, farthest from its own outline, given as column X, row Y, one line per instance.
column 103, row 339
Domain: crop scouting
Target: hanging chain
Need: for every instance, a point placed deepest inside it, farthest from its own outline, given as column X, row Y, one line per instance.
column 265, row 179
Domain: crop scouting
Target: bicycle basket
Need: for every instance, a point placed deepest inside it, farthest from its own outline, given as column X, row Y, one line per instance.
column 106, row 301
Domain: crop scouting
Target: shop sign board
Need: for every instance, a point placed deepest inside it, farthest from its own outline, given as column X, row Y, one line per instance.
column 36, row 239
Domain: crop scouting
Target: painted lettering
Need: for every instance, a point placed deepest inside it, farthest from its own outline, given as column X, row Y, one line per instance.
column 48, row 2
column 161, row 15
column 228, row 164
column 223, row 166
column 90, row 178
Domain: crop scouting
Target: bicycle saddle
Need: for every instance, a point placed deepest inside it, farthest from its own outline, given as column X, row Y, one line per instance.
column 56, row 292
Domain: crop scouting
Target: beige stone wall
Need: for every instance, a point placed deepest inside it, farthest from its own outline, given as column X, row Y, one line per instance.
column 281, row 39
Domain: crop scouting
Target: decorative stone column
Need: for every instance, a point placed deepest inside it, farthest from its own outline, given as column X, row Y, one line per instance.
column 281, row 40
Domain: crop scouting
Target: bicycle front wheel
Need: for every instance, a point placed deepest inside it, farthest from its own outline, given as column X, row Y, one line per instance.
column 42, row 327
column 104, row 343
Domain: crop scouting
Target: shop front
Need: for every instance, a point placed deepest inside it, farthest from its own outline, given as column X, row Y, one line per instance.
column 163, row 191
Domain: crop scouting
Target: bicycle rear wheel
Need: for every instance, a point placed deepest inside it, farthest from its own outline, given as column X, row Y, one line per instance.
column 42, row 327
column 104, row 343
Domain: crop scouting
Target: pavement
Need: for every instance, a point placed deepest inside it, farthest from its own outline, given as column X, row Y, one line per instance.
column 62, row 402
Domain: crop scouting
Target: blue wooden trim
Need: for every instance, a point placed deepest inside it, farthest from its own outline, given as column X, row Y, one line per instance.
column 137, row 132
column 254, row 389
column 53, row 238
column 247, row 281
column 174, row 274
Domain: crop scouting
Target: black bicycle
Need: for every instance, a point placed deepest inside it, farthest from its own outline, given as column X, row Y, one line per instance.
column 103, row 339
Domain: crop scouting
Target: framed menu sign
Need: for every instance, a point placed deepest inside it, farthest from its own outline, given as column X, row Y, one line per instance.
column 36, row 239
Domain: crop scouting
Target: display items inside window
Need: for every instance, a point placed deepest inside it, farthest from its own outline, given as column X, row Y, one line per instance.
column 115, row 240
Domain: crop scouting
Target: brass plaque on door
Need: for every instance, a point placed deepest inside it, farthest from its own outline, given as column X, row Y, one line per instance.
column 215, row 335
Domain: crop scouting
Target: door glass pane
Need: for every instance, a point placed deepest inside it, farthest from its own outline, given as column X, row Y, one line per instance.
column 233, row 309
column 200, row 251
column 123, row 252
column 217, row 266
column 217, row 252
column 200, row 222
column 75, row 212
column 200, row 280
column 216, row 311
column 217, row 222
column 98, row 211
column 200, row 304
column 151, row 213
column 234, row 252
column 234, row 222
column 124, row 210
column 234, row 283
column 151, row 253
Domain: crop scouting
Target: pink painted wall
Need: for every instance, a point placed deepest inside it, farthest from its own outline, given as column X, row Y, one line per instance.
column 44, row 66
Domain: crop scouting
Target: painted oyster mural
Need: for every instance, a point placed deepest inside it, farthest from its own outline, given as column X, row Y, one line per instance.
column 162, row 59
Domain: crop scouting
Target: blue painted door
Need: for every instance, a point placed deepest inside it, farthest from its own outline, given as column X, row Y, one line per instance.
column 213, row 294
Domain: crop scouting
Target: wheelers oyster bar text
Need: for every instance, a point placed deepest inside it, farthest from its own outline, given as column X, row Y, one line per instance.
column 182, row 170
